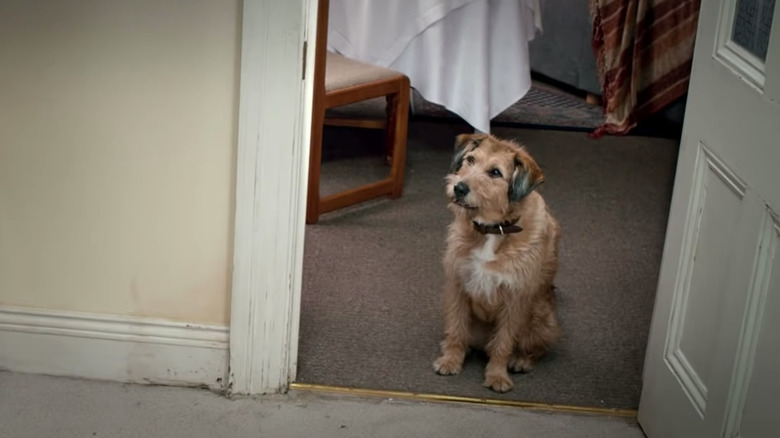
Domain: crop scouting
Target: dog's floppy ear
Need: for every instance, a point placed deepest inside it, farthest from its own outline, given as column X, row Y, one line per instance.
column 526, row 177
column 463, row 140
column 463, row 144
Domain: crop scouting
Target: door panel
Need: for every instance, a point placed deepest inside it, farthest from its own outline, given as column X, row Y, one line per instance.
column 755, row 377
column 717, row 195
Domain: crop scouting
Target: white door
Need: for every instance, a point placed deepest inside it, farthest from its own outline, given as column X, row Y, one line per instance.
column 713, row 361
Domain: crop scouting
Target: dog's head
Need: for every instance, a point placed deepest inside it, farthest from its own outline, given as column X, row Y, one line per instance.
column 489, row 177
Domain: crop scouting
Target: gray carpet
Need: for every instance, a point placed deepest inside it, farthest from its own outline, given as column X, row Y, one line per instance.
column 543, row 105
column 371, row 305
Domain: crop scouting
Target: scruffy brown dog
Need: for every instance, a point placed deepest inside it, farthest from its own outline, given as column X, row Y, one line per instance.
column 501, row 259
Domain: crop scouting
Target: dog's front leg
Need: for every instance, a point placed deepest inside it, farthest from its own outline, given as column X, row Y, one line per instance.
column 499, row 350
column 457, row 321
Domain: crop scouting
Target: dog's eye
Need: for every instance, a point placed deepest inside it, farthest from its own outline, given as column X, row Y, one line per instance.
column 495, row 173
column 470, row 159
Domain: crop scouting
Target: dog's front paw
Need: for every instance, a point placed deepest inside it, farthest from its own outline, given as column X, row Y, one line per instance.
column 499, row 382
column 448, row 365
column 521, row 364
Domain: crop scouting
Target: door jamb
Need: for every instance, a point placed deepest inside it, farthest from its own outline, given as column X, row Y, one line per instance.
column 274, row 122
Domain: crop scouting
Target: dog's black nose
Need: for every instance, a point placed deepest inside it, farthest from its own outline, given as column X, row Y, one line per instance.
column 461, row 190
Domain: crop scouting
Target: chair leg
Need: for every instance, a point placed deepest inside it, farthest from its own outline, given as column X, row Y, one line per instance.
column 400, row 121
column 315, row 165
column 390, row 118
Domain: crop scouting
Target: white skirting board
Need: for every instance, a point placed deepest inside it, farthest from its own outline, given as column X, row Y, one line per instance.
column 117, row 348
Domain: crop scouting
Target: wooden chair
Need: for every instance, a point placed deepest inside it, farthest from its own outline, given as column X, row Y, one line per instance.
column 342, row 81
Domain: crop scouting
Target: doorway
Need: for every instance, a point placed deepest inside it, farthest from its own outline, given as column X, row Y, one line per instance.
column 269, row 240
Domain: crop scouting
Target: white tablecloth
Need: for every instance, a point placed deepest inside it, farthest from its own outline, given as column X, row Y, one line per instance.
column 471, row 56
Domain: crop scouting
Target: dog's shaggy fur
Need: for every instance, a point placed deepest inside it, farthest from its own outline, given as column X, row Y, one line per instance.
column 499, row 287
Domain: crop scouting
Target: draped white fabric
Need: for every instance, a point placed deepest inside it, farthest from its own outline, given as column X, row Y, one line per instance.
column 471, row 56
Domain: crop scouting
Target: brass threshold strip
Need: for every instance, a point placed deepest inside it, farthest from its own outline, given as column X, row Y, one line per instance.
column 458, row 399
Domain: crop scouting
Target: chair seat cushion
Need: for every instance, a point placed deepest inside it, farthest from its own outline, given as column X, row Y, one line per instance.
column 342, row 72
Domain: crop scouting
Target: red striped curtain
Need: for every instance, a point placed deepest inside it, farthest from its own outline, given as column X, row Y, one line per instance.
column 644, row 50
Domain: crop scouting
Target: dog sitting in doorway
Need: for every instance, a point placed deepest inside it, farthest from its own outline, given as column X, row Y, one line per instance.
column 500, row 262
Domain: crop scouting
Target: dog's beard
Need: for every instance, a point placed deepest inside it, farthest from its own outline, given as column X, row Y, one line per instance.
column 463, row 204
column 462, row 210
column 483, row 213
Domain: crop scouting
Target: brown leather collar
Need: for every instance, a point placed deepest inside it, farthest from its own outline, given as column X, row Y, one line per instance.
column 503, row 228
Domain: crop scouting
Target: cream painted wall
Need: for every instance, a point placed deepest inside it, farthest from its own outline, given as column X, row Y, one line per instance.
column 117, row 155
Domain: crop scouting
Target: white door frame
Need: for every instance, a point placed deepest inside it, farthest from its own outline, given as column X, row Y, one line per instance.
column 274, row 119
